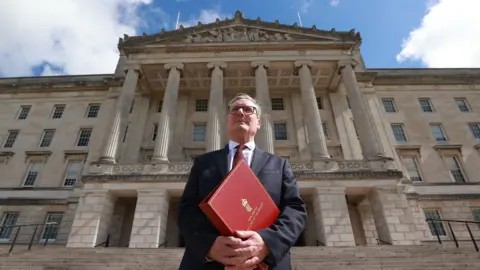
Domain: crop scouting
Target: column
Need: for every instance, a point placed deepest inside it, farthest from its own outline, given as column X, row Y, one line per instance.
column 167, row 117
column 316, row 136
column 215, row 104
column 150, row 219
column 92, row 220
column 120, row 118
column 365, row 128
column 332, row 217
column 265, row 134
column 393, row 217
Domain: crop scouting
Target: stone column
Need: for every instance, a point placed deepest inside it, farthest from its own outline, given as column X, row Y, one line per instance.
column 215, row 105
column 91, row 224
column 150, row 220
column 365, row 128
column 333, row 220
column 316, row 137
column 265, row 134
column 167, row 117
column 393, row 217
column 120, row 118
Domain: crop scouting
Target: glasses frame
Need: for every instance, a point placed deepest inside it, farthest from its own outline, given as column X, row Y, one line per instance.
column 230, row 109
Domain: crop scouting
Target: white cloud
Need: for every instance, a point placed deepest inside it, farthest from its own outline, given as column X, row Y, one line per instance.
column 334, row 3
column 78, row 36
column 305, row 5
column 206, row 16
column 447, row 37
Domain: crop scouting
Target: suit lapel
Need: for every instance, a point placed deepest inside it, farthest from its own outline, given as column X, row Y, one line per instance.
column 222, row 161
column 258, row 161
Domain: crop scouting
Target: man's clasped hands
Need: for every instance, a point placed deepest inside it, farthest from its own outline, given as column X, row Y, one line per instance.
column 245, row 251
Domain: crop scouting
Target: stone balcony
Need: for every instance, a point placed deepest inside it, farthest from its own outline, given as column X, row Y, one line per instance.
column 318, row 169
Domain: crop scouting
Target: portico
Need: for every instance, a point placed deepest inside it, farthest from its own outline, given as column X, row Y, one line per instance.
column 347, row 178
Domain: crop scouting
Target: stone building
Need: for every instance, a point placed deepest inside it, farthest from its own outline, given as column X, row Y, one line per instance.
column 375, row 152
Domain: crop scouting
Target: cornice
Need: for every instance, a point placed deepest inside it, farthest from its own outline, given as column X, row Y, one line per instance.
column 59, row 83
column 426, row 76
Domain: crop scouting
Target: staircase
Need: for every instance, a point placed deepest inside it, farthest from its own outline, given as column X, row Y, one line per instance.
column 425, row 257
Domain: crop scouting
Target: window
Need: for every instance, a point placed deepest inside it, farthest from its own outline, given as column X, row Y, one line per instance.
column 8, row 219
column 10, row 138
column 455, row 169
column 58, row 111
column 32, row 173
column 389, row 105
column 280, row 130
column 435, row 226
column 277, row 104
column 399, row 132
column 411, row 167
column 24, row 110
column 319, row 103
column 92, row 110
column 84, row 137
column 199, row 132
column 326, row 133
column 462, row 104
column 202, row 105
column 426, row 104
column 475, row 129
column 73, row 173
column 159, row 105
column 438, row 132
column 154, row 133
column 52, row 225
column 47, row 137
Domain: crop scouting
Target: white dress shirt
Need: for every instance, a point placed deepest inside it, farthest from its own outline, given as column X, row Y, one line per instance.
column 247, row 152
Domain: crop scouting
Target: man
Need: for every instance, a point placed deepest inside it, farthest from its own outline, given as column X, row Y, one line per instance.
column 205, row 247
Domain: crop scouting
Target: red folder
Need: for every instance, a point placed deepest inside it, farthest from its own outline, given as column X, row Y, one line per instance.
column 240, row 202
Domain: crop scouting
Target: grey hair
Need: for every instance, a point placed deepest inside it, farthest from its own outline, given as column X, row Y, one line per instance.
column 256, row 104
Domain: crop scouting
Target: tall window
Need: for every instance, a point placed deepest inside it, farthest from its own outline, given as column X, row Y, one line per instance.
column 58, row 111
column 8, row 219
column 435, row 226
column 462, row 104
column 32, row 173
column 412, row 168
column 399, row 132
column 475, row 129
column 73, row 173
column 11, row 137
column 426, row 104
column 280, row 130
column 92, row 110
column 47, row 137
column 23, row 113
column 389, row 105
column 84, row 137
column 199, row 132
column 51, row 226
column 438, row 133
column 455, row 169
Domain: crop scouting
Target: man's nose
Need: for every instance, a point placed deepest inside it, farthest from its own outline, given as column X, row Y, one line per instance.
column 240, row 112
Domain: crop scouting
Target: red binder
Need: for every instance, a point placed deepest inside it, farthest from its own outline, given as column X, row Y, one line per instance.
column 240, row 202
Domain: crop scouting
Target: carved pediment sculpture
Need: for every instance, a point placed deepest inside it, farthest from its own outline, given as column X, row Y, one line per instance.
column 235, row 34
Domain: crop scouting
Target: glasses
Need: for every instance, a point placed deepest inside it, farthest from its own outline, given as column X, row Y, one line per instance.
column 248, row 110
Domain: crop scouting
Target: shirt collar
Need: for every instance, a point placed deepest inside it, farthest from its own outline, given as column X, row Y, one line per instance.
column 232, row 145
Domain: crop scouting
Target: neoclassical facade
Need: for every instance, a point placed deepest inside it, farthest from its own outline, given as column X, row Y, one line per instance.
column 375, row 152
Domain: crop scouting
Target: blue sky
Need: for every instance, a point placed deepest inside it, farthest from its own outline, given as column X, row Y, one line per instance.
column 383, row 23
column 72, row 37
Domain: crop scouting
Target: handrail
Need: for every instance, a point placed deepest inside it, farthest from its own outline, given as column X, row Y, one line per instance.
column 448, row 221
column 319, row 243
column 164, row 244
column 382, row 241
column 106, row 243
column 48, row 231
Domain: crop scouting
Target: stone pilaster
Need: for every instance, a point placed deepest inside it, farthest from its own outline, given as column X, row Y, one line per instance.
column 92, row 220
column 120, row 117
column 393, row 217
column 365, row 128
column 167, row 117
column 215, row 104
column 316, row 137
column 150, row 220
column 265, row 134
column 333, row 219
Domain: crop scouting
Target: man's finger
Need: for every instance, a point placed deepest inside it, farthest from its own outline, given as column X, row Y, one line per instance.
column 233, row 261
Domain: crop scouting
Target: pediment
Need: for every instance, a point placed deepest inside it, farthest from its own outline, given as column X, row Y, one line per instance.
column 240, row 30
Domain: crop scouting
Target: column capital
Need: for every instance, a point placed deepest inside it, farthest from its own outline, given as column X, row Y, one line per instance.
column 257, row 64
column 344, row 62
column 134, row 67
column 301, row 63
column 169, row 66
column 215, row 64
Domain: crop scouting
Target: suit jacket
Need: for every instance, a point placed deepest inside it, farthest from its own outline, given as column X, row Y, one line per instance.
column 199, row 233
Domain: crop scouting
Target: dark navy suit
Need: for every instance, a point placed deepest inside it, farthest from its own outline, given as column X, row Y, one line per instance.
column 198, row 232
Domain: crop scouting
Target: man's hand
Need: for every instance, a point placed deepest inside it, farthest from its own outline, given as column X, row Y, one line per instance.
column 223, row 251
column 251, row 251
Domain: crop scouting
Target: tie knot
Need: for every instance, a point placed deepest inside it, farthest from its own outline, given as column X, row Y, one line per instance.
column 240, row 147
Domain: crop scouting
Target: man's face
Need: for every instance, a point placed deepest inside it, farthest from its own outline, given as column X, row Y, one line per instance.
column 242, row 118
